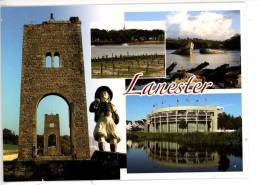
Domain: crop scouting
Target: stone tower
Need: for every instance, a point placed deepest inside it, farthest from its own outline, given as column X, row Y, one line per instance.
column 52, row 145
column 52, row 64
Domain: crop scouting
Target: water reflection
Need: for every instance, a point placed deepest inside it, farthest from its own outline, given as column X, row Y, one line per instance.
column 215, row 60
column 165, row 156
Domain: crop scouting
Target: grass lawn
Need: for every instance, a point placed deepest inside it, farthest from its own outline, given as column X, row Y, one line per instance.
column 10, row 149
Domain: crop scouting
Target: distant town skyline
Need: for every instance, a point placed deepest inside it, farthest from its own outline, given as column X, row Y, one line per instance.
column 144, row 25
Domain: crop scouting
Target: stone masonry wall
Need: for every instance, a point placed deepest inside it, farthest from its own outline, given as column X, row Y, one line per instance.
column 66, row 81
column 52, row 126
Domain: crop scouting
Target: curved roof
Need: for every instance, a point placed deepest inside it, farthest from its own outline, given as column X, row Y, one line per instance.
column 165, row 109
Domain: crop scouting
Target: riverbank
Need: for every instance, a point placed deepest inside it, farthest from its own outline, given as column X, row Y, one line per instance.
column 101, row 36
column 127, row 66
column 195, row 138
column 232, row 43
column 128, row 43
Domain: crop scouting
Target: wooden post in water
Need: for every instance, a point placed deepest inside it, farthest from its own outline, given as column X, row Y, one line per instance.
column 147, row 66
column 101, row 68
column 128, row 68
column 113, row 67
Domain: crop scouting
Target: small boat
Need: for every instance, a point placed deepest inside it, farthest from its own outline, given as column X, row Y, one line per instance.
column 211, row 51
column 125, row 44
column 187, row 49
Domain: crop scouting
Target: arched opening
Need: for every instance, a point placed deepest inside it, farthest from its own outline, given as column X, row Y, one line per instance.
column 56, row 62
column 48, row 60
column 52, row 140
column 57, row 130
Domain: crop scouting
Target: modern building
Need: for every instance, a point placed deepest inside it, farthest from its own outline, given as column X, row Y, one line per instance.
column 183, row 119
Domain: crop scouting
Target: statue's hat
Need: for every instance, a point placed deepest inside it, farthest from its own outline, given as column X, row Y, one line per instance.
column 103, row 88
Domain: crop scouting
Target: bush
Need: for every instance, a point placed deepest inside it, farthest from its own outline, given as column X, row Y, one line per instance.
column 197, row 138
column 9, row 137
column 226, row 121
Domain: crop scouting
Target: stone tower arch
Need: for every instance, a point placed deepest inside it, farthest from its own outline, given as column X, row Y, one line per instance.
column 52, row 143
column 49, row 39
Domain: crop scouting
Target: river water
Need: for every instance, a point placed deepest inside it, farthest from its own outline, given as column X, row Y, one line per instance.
column 164, row 156
column 112, row 50
column 233, row 58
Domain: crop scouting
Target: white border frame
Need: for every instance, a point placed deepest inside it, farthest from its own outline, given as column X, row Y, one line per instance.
column 175, row 6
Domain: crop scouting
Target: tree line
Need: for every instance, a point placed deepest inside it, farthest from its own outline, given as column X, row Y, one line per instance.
column 101, row 37
column 191, row 138
column 232, row 43
column 9, row 137
column 227, row 121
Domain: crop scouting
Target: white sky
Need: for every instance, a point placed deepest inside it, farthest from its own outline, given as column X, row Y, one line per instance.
column 145, row 25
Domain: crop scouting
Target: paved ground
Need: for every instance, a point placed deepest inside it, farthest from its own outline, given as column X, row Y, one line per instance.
column 10, row 157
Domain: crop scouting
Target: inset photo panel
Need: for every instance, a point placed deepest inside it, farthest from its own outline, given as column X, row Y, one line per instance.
column 206, row 44
column 185, row 133
column 124, row 49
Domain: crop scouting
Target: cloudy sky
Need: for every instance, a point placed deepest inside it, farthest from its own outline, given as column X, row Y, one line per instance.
column 212, row 25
